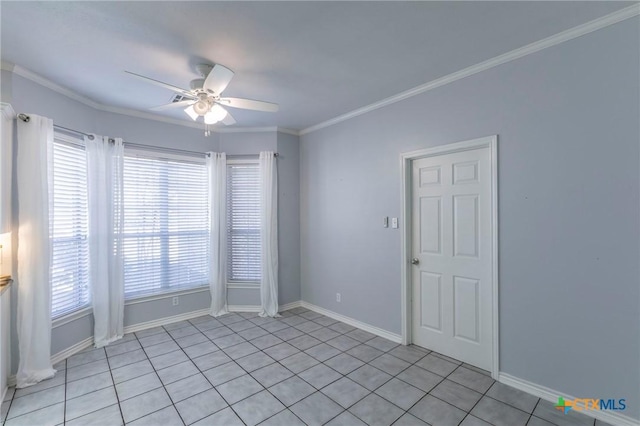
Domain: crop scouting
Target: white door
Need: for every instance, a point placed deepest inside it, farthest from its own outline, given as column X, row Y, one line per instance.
column 452, row 255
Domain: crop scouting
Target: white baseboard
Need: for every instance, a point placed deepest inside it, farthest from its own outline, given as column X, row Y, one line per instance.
column 292, row 305
column 353, row 322
column 165, row 321
column 72, row 350
column 613, row 418
column 243, row 308
column 257, row 308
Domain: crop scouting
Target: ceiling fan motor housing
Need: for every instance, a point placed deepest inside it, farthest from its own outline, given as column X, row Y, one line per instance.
column 204, row 70
column 197, row 84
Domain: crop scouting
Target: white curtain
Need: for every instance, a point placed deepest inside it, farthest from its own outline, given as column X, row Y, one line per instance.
column 34, row 172
column 105, row 159
column 217, row 175
column 268, row 234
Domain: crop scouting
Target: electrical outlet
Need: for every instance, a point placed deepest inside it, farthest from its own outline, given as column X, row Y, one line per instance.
column 338, row 297
column 175, row 301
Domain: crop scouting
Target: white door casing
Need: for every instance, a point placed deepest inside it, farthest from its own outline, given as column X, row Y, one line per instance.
column 450, row 220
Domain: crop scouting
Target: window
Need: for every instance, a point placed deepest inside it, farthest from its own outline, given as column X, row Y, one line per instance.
column 243, row 222
column 166, row 230
column 68, row 223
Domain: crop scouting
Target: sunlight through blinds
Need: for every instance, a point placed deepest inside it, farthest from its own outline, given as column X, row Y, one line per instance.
column 165, row 224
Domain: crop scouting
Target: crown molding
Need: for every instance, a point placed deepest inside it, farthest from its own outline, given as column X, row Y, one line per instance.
column 570, row 34
column 42, row 81
column 7, row 111
column 6, row 66
column 561, row 37
column 148, row 116
column 259, row 130
column 288, row 131
column 36, row 78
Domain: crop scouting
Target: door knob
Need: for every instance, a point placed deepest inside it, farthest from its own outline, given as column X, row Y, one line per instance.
column 415, row 261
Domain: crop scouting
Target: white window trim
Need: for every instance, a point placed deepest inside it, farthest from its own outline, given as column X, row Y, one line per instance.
column 161, row 155
column 165, row 295
column 71, row 316
column 148, row 153
column 88, row 310
column 68, row 139
column 243, row 284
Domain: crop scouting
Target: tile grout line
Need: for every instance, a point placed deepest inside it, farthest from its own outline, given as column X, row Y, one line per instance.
column 461, row 364
column 200, row 371
column 159, row 379
column 240, row 318
column 343, row 375
column 88, row 393
column 534, row 409
column 279, row 363
column 115, row 388
column 239, row 366
column 248, row 372
column 474, row 405
column 259, row 350
column 323, row 363
column 286, row 408
column 64, row 411
column 6, row 417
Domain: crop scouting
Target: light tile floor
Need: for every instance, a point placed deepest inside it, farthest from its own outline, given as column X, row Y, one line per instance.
column 302, row 368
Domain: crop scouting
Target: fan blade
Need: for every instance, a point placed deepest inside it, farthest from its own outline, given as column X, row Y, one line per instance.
column 172, row 105
column 162, row 84
column 228, row 120
column 218, row 79
column 249, row 104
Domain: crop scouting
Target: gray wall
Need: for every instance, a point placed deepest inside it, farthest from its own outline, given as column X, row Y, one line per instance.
column 567, row 120
column 32, row 98
column 288, row 218
column 247, row 143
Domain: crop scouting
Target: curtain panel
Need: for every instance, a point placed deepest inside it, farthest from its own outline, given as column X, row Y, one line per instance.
column 268, row 234
column 34, row 172
column 217, row 177
column 105, row 158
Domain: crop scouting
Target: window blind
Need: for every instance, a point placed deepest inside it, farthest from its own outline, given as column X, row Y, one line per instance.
column 243, row 222
column 68, row 224
column 165, row 224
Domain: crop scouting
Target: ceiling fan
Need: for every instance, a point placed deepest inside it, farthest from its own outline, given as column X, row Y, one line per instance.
column 204, row 98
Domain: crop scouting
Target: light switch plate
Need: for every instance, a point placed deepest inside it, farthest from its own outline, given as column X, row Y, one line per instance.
column 394, row 222
column 385, row 222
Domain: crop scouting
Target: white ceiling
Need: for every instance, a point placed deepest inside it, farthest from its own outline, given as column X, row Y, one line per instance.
column 317, row 60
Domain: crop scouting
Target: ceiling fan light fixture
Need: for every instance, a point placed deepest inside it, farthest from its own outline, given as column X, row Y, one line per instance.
column 214, row 115
column 191, row 112
column 201, row 107
column 209, row 118
column 218, row 112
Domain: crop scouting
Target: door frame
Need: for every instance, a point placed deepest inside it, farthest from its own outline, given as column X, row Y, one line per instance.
column 406, row 160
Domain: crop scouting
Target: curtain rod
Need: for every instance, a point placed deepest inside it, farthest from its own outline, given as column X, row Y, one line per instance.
column 26, row 119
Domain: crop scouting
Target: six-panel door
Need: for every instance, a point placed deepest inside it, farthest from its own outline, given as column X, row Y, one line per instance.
column 451, row 236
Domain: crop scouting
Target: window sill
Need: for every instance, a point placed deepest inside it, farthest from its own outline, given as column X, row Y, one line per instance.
column 70, row 317
column 246, row 285
column 164, row 295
